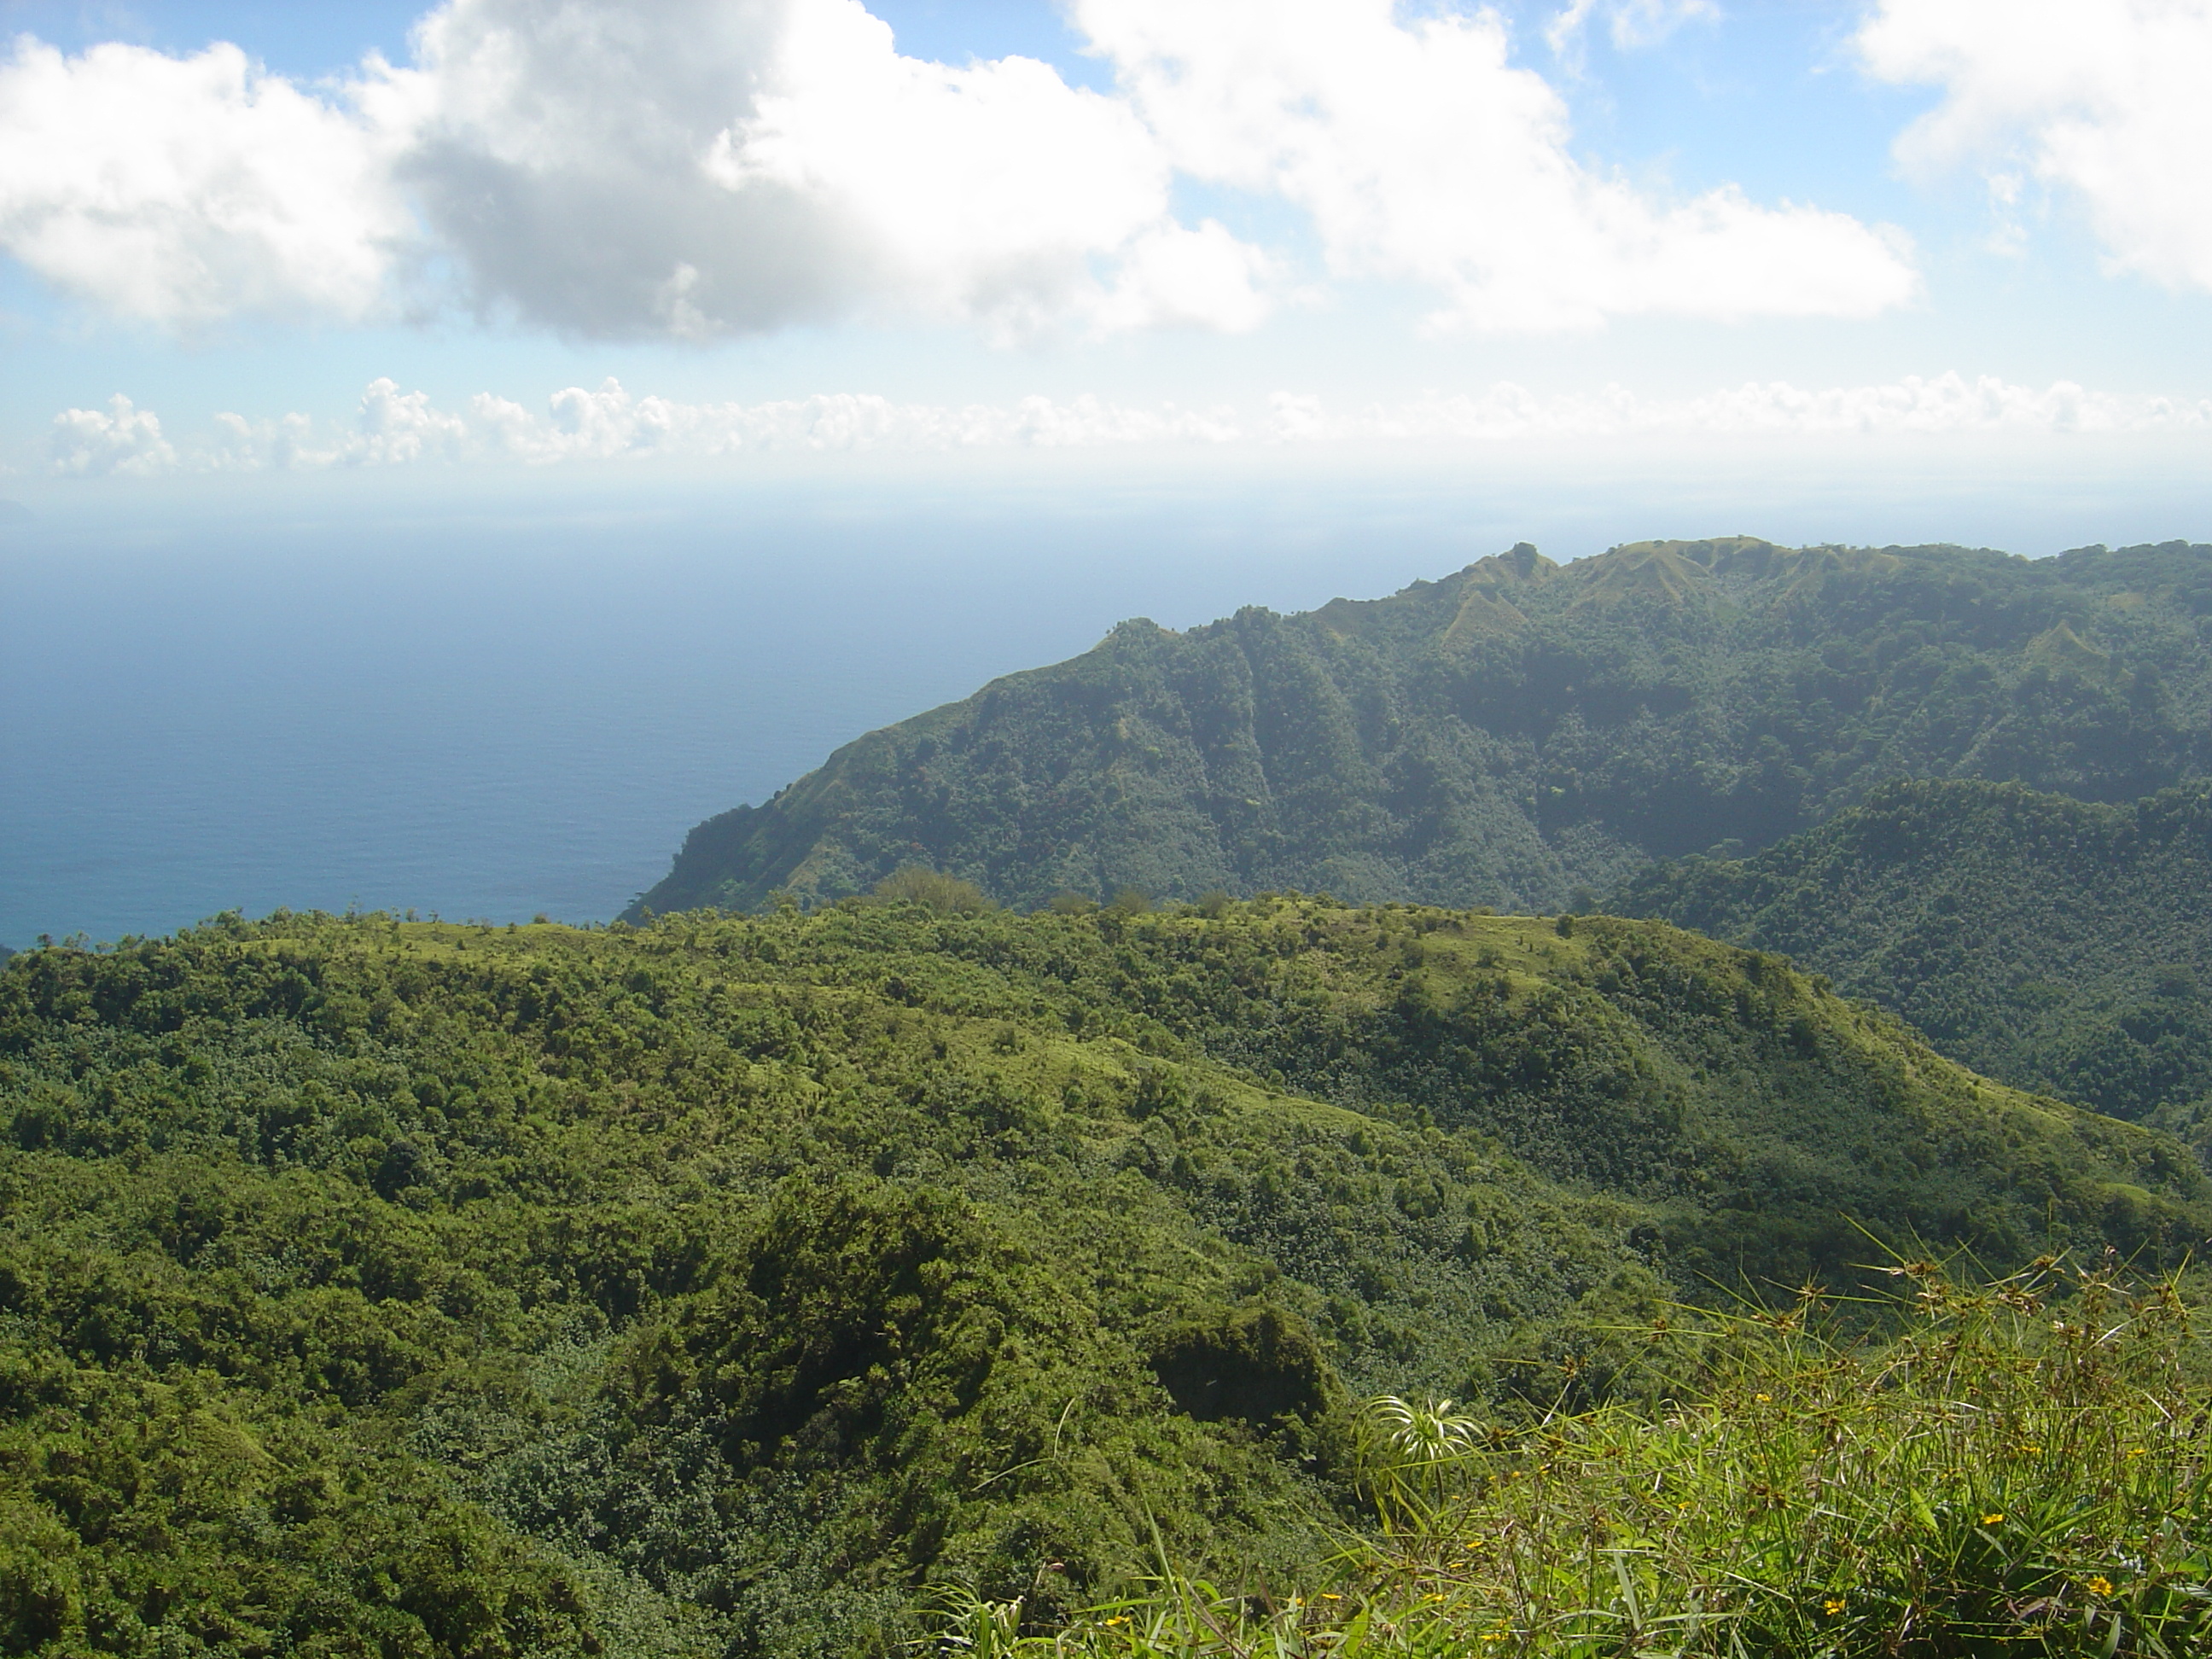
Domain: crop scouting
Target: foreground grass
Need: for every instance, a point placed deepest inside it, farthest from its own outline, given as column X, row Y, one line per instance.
column 2021, row 1471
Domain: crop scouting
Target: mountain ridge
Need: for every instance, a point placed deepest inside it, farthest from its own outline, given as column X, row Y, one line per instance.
column 1520, row 733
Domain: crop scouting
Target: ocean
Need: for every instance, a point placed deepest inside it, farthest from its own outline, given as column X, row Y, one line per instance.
column 504, row 709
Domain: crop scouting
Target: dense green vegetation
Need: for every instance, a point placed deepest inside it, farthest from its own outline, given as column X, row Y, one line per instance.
column 1511, row 734
column 2056, row 944
column 736, row 1285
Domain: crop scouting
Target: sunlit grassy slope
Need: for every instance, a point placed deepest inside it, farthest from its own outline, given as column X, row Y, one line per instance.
column 2018, row 1468
column 722, row 1286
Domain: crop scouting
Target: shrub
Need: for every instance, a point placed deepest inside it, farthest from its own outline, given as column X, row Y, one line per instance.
column 933, row 890
column 1256, row 1364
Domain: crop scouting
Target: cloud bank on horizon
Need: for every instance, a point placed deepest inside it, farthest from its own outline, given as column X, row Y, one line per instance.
column 700, row 168
column 397, row 427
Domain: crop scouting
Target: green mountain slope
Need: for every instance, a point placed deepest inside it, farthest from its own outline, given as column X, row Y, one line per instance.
column 2059, row 945
column 720, row 1287
column 1509, row 734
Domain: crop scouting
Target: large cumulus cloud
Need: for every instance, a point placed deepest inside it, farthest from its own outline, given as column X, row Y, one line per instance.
column 698, row 167
column 182, row 190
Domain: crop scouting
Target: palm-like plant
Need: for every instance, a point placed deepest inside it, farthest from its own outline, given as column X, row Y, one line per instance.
column 1411, row 1451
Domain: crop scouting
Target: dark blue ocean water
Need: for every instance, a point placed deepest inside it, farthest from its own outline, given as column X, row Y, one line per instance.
column 512, row 708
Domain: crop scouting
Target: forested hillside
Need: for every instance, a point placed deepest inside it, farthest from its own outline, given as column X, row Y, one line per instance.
column 1515, row 734
column 2056, row 944
column 416, row 1289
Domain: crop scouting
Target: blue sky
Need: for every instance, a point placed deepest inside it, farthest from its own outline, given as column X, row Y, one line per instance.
column 1308, row 234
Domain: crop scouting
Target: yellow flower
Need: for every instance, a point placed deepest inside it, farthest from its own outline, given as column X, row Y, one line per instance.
column 1995, row 1517
column 1432, row 1596
column 2135, row 1451
column 1118, row 1618
column 1833, row 1605
column 1330, row 1595
column 2098, row 1584
column 1477, row 1543
column 2031, row 1449
column 1764, row 1399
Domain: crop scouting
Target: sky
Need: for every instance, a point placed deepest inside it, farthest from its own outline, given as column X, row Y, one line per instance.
column 1815, row 261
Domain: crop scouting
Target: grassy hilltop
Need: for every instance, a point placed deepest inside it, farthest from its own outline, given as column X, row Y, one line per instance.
column 1511, row 734
column 726, row 1284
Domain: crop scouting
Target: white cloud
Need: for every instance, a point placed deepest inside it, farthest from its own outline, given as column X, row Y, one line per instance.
column 2102, row 99
column 696, row 168
column 688, row 168
column 120, row 438
column 184, row 190
column 1421, row 153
